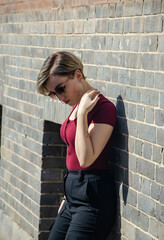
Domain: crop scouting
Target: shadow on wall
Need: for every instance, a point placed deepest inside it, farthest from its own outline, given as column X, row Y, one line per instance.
column 119, row 164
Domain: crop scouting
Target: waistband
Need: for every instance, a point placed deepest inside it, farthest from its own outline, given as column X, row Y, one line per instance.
column 104, row 173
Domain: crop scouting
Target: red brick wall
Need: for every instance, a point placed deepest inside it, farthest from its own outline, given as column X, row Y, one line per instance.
column 10, row 6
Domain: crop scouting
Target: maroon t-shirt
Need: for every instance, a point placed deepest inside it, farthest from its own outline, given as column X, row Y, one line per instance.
column 103, row 112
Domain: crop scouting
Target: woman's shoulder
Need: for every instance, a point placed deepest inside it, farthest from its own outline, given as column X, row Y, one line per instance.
column 104, row 104
column 103, row 112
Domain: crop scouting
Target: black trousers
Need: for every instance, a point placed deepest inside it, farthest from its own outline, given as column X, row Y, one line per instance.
column 90, row 208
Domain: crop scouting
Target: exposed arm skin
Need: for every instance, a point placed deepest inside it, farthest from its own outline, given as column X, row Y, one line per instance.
column 90, row 140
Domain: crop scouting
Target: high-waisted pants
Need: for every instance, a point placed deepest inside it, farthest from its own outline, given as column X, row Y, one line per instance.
column 89, row 210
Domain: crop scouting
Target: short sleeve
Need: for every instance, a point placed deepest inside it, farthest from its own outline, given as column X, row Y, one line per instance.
column 105, row 112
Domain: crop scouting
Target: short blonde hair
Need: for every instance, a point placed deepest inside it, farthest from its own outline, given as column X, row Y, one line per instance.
column 60, row 63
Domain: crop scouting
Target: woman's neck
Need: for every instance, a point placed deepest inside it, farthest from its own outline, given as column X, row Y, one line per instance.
column 86, row 87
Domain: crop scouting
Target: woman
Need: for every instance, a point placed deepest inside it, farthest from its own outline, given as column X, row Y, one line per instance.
column 88, row 209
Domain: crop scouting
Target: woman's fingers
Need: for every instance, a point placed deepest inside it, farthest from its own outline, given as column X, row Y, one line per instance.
column 93, row 93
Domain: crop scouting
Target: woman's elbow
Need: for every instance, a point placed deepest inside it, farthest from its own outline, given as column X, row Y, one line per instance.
column 84, row 163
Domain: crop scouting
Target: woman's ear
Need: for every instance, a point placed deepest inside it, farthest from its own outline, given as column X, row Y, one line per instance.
column 79, row 74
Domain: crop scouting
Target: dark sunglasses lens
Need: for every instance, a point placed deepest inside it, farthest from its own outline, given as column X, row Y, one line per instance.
column 60, row 90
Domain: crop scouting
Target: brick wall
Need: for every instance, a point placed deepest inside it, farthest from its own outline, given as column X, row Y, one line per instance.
column 53, row 166
column 0, row 126
column 121, row 44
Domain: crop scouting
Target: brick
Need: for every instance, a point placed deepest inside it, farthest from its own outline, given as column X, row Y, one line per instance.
column 100, row 73
column 161, row 62
column 116, row 26
column 133, row 60
column 156, row 6
column 126, row 211
column 91, row 11
column 112, row 10
column 138, row 8
column 88, row 57
column 146, row 168
column 92, row 72
column 131, row 111
column 138, row 25
column 147, row 6
column 125, row 43
column 159, row 117
column 116, row 43
column 133, row 94
column 52, row 138
column 145, row 186
column 144, row 221
column 145, row 97
column 50, row 175
column 128, row 9
column 160, row 134
column 138, row 147
column 147, row 133
column 160, row 212
column 119, row 9
column 133, row 164
column 98, row 11
column 160, row 230
column 153, row 227
column 150, row 61
column 50, row 199
column 133, row 128
column 141, row 235
column 52, row 151
column 134, row 44
column 146, row 205
column 133, row 77
column 53, row 162
column 135, row 216
column 161, row 103
column 153, row 24
column 81, row 12
column 140, row 113
column 52, row 187
column 89, row 26
column 149, row 112
column 159, row 174
column 102, row 42
column 149, row 79
column 113, row 58
column 160, row 43
column 68, row 27
column 100, row 58
column 104, row 10
column 95, row 42
column 109, row 42
column 148, row 43
column 50, row 211
column 127, row 229
column 104, row 26
column 132, row 197
column 161, row 195
column 147, row 150
column 107, row 74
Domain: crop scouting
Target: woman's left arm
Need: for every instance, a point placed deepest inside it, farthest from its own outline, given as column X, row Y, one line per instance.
column 90, row 140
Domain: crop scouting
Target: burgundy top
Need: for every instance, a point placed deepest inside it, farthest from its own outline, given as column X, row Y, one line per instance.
column 103, row 112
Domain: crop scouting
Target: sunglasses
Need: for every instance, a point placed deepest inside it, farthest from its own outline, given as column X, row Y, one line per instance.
column 59, row 90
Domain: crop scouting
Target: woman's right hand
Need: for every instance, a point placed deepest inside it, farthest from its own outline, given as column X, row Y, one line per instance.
column 88, row 101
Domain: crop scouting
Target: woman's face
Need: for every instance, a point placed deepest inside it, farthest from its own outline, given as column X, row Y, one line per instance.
column 68, row 89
